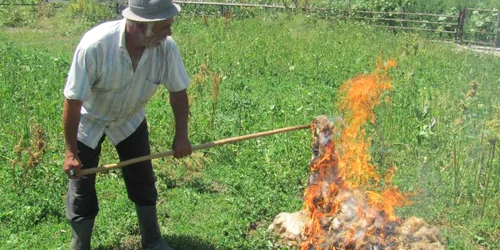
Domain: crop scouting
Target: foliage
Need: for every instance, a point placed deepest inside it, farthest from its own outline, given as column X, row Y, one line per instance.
column 29, row 85
column 380, row 5
column 480, row 26
column 17, row 13
column 90, row 11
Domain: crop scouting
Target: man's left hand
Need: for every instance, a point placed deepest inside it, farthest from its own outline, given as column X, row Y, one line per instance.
column 181, row 146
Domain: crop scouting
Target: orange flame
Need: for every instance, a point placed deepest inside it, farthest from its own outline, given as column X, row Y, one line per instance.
column 360, row 96
column 351, row 168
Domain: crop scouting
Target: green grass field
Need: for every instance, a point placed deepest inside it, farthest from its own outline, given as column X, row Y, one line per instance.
column 272, row 71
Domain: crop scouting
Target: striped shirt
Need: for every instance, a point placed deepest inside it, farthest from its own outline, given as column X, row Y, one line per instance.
column 113, row 94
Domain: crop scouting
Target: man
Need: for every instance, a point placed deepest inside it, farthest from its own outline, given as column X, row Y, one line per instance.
column 116, row 69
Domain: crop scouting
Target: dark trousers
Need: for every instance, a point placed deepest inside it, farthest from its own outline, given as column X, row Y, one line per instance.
column 82, row 203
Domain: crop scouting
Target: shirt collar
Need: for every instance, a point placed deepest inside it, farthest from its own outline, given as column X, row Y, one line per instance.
column 123, row 26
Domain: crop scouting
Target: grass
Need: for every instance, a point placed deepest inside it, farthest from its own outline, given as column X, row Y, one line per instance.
column 275, row 71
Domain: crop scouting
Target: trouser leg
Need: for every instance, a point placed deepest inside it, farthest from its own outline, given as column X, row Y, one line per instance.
column 139, row 177
column 82, row 204
column 140, row 182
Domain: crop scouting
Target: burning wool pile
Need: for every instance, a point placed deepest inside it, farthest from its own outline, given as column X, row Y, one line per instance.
column 345, row 204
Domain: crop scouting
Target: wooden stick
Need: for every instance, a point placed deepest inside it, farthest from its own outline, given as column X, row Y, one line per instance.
column 197, row 147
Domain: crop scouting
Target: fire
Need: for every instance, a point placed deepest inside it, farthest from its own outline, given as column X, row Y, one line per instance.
column 360, row 96
column 345, row 202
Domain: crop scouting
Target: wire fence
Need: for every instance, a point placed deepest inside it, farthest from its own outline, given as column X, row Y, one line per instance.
column 469, row 26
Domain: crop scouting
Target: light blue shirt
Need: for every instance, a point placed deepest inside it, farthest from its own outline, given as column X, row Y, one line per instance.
column 113, row 94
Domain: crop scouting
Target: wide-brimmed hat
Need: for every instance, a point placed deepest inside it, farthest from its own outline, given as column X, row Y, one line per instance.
column 150, row 10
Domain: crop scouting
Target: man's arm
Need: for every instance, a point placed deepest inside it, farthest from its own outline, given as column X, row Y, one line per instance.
column 70, row 120
column 180, row 106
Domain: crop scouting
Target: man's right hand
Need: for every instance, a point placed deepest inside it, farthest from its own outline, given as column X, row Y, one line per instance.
column 72, row 166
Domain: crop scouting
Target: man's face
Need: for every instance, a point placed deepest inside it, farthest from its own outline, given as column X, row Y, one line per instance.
column 161, row 30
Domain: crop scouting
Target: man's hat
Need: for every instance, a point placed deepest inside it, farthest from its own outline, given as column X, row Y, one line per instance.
column 150, row 10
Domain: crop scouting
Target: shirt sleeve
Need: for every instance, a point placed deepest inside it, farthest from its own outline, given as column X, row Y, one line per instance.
column 82, row 74
column 175, row 73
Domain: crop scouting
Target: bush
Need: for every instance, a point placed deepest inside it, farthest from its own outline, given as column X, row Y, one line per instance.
column 13, row 14
column 90, row 11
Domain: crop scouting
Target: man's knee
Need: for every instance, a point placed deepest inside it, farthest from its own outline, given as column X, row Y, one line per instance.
column 82, row 199
column 140, row 182
column 144, row 194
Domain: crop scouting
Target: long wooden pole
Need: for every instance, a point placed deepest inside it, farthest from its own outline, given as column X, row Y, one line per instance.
column 197, row 147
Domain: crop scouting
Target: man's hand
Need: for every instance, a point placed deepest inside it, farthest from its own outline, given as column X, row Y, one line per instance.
column 181, row 146
column 72, row 166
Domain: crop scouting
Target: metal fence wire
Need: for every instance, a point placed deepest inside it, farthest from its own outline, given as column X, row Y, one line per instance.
column 467, row 27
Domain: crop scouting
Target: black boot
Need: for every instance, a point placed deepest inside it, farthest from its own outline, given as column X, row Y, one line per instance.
column 81, row 231
column 150, row 231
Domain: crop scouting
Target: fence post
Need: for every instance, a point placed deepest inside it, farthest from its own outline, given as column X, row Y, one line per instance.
column 459, row 33
column 305, row 6
column 371, row 12
column 348, row 12
column 403, row 16
column 497, row 39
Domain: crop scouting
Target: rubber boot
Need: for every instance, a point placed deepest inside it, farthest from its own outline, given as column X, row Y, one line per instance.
column 150, row 231
column 81, row 231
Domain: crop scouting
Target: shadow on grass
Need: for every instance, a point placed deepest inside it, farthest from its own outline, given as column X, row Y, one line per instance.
column 178, row 242
column 196, row 184
column 181, row 242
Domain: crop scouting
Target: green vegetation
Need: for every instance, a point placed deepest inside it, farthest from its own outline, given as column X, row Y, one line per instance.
column 20, row 13
column 440, row 129
column 441, row 6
